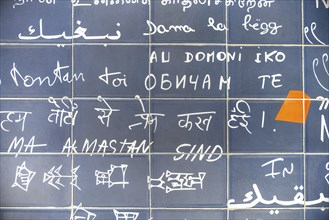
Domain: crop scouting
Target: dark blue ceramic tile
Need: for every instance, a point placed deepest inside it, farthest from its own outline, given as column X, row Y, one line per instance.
column 281, row 23
column 183, row 126
column 21, row 182
column 316, row 71
column 112, row 71
column 192, row 71
column 316, row 22
column 202, row 22
column 118, row 214
column 132, row 193
column 115, row 132
column 112, row 22
column 187, row 184
column 317, row 214
column 246, row 134
column 283, row 214
column 188, row 214
column 23, row 214
column 35, row 129
column 265, row 72
column 274, row 175
column 22, row 19
column 317, row 182
column 35, row 71
column 317, row 128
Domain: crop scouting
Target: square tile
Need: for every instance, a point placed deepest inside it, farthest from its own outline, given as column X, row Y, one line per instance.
column 316, row 72
column 265, row 72
column 273, row 175
column 117, row 71
column 188, row 72
column 317, row 182
column 116, row 181
column 98, row 130
column 319, row 214
column 316, row 22
column 119, row 213
column 188, row 214
column 187, row 184
column 261, row 24
column 40, row 24
column 29, row 126
column 317, row 128
column 194, row 21
column 188, row 124
column 107, row 21
column 282, row 214
column 253, row 128
column 22, row 181
column 21, row 214
column 35, row 71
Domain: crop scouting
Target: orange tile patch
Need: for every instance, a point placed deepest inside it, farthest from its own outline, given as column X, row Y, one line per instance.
column 292, row 110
